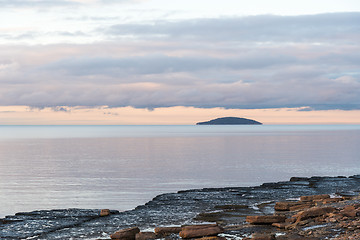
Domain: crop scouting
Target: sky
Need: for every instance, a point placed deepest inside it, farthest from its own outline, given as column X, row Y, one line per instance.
column 179, row 62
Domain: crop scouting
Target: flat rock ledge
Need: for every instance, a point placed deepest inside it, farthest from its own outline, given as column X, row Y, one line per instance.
column 312, row 217
column 203, row 231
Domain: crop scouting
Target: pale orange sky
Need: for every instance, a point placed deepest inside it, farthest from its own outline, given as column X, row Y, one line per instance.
column 23, row 115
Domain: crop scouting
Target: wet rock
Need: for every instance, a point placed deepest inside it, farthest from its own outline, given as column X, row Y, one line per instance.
column 145, row 236
column 231, row 207
column 285, row 206
column 125, row 234
column 299, row 179
column 280, row 225
column 196, row 231
column 212, row 238
column 265, row 219
column 313, row 212
column 301, row 206
column 165, row 231
column 314, row 197
column 104, row 212
column 261, row 236
column 209, row 217
column 332, row 200
column 349, row 211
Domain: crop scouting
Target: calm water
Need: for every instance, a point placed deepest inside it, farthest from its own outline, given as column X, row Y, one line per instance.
column 120, row 167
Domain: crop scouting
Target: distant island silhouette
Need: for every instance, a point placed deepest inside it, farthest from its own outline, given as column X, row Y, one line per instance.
column 230, row 121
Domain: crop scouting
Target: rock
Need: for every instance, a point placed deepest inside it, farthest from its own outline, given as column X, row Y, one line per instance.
column 212, row 238
column 332, row 200
column 196, row 231
column 299, row 179
column 349, row 211
column 301, row 206
column 290, row 220
column 210, row 217
column 265, row 219
column 313, row 212
column 314, row 197
column 145, row 236
column 126, row 234
column 104, row 212
column 285, row 206
column 165, row 231
column 261, row 236
column 231, row 207
column 280, row 225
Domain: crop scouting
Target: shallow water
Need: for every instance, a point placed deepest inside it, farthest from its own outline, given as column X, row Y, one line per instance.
column 121, row 167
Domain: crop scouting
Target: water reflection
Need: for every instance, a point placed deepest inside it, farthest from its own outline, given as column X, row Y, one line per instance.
column 123, row 172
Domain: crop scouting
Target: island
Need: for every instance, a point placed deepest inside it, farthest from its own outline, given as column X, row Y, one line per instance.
column 230, row 121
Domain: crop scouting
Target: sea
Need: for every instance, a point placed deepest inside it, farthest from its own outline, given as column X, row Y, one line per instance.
column 121, row 167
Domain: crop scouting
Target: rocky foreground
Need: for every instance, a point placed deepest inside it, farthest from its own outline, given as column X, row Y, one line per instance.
column 302, row 208
column 312, row 217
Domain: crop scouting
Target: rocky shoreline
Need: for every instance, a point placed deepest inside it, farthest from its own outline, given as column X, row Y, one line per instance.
column 302, row 208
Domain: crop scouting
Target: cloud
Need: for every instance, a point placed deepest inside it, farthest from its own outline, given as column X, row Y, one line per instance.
column 243, row 62
column 162, row 64
column 36, row 3
column 57, row 3
column 265, row 28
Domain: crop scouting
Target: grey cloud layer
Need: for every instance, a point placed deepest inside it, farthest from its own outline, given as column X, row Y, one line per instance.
column 51, row 3
column 266, row 28
column 245, row 62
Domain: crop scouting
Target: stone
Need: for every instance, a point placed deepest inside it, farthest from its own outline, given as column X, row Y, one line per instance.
column 165, row 231
column 270, row 219
column 210, row 217
column 104, row 212
column 331, row 200
column 231, row 207
column 349, row 211
column 125, row 234
column 314, row 197
column 212, row 238
column 290, row 220
column 313, row 212
column 145, row 236
column 285, row 206
column 196, row 231
column 261, row 236
column 301, row 206
column 279, row 225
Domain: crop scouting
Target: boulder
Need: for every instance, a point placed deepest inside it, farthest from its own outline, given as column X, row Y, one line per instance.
column 196, row 231
column 265, row 219
column 104, row 212
column 165, row 231
column 313, row 212
column 125, row 234
column 145, row 236
column 314, row 197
